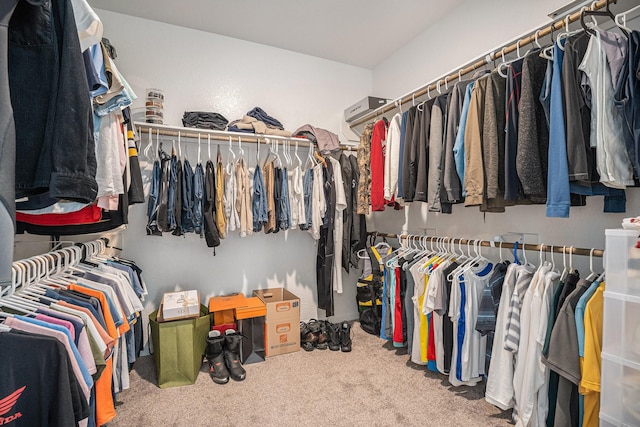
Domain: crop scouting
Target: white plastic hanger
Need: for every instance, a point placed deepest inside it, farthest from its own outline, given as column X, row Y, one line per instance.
column 149, row 146
column 209, row 145
column 298, row 159
column 592, row 276
column 232, row 155
column 568, row 33
column 621, row 18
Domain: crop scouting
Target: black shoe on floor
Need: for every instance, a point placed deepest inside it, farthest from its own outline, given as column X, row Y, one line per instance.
column 307, row 339
column 215, row 357
column 233, row 340
column 345, row 337
column 333, row 330
column 323, row 336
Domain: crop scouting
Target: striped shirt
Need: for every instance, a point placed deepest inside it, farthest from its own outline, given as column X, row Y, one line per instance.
column 512, row 328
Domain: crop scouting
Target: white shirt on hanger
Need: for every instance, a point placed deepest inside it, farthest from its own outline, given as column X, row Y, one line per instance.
column 318, row 203
column 392, row 157
column 338, row 231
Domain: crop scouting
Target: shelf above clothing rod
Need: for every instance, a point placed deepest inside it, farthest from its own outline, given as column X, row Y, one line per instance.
column 505, row 245
column 477, row 63
column 217, row 135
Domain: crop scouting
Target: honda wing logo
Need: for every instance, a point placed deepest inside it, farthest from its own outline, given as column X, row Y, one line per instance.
column 7, row 404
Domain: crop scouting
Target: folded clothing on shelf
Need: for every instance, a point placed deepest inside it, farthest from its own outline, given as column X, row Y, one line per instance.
column 204, row 120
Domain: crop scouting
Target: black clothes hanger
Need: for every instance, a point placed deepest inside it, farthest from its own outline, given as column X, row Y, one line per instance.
column 607, row 13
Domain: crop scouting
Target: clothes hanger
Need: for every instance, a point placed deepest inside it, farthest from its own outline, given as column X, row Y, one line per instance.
column 240, row 149
column 199, row 150
column 502, row 68
column 545, row 52
column 621, row 19
column 149, row 146
column 209, row 146
column 232, row 155
column 564, row 273
column 568, row 33
column 311, row 162
column 592, row 274
column 299, row 160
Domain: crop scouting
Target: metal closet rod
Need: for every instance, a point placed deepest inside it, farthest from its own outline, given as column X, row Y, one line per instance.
column 531, row 38
column 218, row 135
column 544, row 247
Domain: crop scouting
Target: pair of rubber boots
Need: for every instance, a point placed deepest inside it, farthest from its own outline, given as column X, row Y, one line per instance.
column 223, row 355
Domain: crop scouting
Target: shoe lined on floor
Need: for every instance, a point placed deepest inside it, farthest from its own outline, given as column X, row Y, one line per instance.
column 333, row 330
column 307, row 338
column 233, row 340
column 345, row 337
column 323, row 335
column 215, row 357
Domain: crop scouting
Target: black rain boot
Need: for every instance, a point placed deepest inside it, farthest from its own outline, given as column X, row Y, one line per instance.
column 215, row 356
column 233, row 340
column 345, row 337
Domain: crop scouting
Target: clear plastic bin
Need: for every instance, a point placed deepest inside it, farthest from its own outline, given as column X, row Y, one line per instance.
column 621, row 329
column 622, row 262
column 620, row 391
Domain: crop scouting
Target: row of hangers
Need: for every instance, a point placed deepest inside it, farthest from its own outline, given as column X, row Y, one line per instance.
column 273, row 153
column 620, row 20
column 31, row 277
column 445, row 247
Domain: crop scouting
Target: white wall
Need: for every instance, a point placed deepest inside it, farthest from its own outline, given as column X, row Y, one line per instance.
column 202, row 71
column 471, row 30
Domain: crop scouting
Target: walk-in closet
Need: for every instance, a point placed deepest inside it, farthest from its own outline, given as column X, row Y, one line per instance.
column 344, row 213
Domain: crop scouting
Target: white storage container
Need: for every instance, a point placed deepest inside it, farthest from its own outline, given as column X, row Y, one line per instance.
column 621, row 329
column 620, row 372
column 623, row 262
column 620, row 393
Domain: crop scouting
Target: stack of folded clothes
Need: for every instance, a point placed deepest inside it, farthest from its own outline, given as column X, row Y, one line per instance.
column 204, row 120
column 258, row 121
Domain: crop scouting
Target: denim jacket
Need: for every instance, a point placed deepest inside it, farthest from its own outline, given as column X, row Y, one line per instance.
column 51, row 103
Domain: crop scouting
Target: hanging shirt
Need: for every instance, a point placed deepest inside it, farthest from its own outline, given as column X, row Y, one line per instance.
column 378, row 146
column 514, row 82
column 592, row 361
column 259, row 201
column 607, row 133
column 364, row 165
column 392, row 157
column 269, row 184
column 474, row 167
column 243, row 200
column 230, row 198
column 458, row 148
column 499, row 390
column 341, row 205
column 318, row 202
column 44, row 376
column 403, row 138
column 558, row 195
column 221, row 220
column 527, row 355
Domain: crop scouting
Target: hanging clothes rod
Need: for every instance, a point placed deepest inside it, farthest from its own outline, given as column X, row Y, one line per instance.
column 505, row 245
column 480, row 62
column 218, row 135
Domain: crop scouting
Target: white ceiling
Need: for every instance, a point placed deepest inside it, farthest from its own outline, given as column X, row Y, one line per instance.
column 357, row 32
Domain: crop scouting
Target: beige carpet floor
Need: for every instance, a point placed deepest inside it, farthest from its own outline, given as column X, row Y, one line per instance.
column 374, row 385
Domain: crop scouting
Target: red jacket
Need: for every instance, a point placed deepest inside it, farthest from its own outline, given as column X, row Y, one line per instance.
column 377, row 165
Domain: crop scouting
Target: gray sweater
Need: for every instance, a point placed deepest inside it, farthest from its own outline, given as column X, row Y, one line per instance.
column 533, row 136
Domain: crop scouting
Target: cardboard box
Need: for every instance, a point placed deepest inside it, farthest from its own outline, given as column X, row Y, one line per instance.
column 223, row 307
column 282, row 323
column 180, row 305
